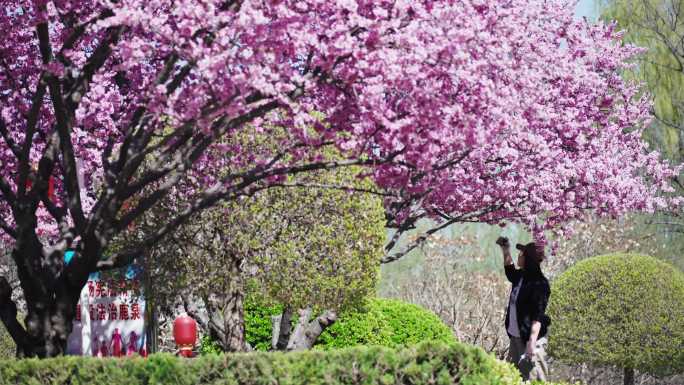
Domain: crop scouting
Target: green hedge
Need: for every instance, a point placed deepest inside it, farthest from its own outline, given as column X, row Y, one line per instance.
column 429, row 363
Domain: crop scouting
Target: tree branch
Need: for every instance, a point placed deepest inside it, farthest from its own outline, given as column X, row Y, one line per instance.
column 8, row 139
column 63, row 123
column 333, row 187
column 221, row 192
column 424, row 236
column 282, row 329
column 7, row 228
column 134, row 134
column 8, row 315
column 182, row 161
column 306, row 333
column 92, row 65
column 408, row 224
column 7, row 192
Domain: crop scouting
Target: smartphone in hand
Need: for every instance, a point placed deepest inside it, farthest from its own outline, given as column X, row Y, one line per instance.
column 502, row 241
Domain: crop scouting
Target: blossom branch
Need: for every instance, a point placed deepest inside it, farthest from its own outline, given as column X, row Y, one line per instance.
column 8, row 315
column 424, row 236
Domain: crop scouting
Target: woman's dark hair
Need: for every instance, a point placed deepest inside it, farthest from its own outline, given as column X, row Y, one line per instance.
column 533, row 256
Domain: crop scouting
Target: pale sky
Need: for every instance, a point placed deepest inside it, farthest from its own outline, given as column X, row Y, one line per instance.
column 586, row 8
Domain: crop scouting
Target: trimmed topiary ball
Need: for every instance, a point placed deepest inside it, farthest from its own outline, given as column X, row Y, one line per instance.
column 621, row 310
column 385, row 322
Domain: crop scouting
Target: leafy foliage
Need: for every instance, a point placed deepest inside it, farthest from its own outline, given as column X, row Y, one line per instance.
column 209, row 346
column 381, row 322
column 658, row 27
column 296, row 245
column 385, row 322
column 258, row 326
column 428, row 363
column 625, row 310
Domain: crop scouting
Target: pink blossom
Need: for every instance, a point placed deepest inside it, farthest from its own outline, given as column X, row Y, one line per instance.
column 488, row 110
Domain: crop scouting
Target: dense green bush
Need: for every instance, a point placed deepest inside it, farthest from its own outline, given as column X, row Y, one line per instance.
column 258, row 326
column 386, row 322
column 622, row 310
column 429, row 363
column 209, row 346
column 381, row 322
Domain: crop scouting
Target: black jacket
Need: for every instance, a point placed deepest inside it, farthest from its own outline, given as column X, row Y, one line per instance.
column 531, row 302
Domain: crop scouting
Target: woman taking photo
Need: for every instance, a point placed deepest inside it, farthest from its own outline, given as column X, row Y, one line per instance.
column 526, row 322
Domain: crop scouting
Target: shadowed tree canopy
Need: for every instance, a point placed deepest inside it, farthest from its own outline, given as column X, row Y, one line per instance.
column 307, row 244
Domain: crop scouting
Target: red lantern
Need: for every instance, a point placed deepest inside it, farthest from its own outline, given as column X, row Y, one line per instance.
column 185, row 334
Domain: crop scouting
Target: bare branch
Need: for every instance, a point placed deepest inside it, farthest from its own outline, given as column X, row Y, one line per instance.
column 424, row 236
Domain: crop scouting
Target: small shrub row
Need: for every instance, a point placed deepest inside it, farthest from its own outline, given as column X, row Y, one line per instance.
column 427, row 363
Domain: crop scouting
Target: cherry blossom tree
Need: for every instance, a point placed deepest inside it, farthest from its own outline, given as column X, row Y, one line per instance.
column 474, row 110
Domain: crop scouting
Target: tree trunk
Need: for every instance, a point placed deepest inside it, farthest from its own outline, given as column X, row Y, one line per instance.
column 227, row 310
column 51, row 290
column 234, row 322
column 48, row 325
column 8, row 315
column 282, row 328
column 306, row 333
column 629, row 376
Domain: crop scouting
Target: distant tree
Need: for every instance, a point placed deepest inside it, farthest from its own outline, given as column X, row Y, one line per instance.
column 658, row 27
column 624, row 310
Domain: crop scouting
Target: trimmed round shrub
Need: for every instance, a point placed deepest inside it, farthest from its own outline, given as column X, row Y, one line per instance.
column 385, row 322
column 622, row 310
